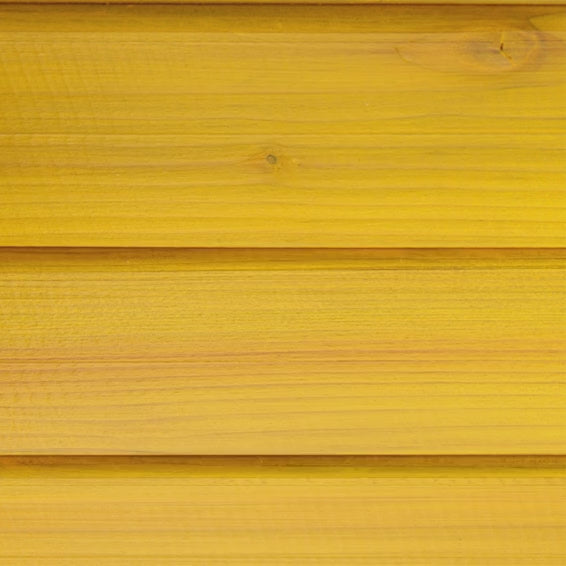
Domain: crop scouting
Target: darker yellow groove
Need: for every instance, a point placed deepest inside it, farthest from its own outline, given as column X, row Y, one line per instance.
column 173, row 259
column 292, row 467
column 372, row 464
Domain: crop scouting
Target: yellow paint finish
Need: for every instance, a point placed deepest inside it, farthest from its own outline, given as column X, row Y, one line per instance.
column 368, row 351
column 139, row 512
column 277, row 126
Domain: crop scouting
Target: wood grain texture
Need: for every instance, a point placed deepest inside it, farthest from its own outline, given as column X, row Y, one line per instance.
column 270, row 126
column 282, row 352
column 139, row 512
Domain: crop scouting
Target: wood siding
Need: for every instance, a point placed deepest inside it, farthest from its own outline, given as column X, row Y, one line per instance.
column 282, row 284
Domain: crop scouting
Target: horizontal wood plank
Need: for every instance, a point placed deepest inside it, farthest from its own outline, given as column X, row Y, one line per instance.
column 277, row 126
column 282, row 352
column 135, row 511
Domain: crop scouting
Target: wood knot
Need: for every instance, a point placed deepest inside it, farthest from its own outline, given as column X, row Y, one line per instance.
column 505, row 51
column 475, row 52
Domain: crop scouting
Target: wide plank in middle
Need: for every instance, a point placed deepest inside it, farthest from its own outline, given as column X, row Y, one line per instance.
column 277, row 352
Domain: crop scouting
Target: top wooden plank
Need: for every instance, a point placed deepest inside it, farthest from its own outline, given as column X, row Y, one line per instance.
column 282, row 126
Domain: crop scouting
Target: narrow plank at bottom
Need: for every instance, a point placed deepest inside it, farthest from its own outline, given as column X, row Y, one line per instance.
column 282, row 352
column 128, row 511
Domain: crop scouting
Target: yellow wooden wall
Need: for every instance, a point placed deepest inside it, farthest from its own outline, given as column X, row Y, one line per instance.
column 282, row 284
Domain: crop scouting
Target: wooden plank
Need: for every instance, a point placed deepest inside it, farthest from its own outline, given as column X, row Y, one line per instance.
column 270, row 126
column 282, row 351
column 132, row 511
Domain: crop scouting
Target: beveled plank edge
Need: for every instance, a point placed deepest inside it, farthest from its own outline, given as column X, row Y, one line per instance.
column 256, row 466
column 239, row 259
